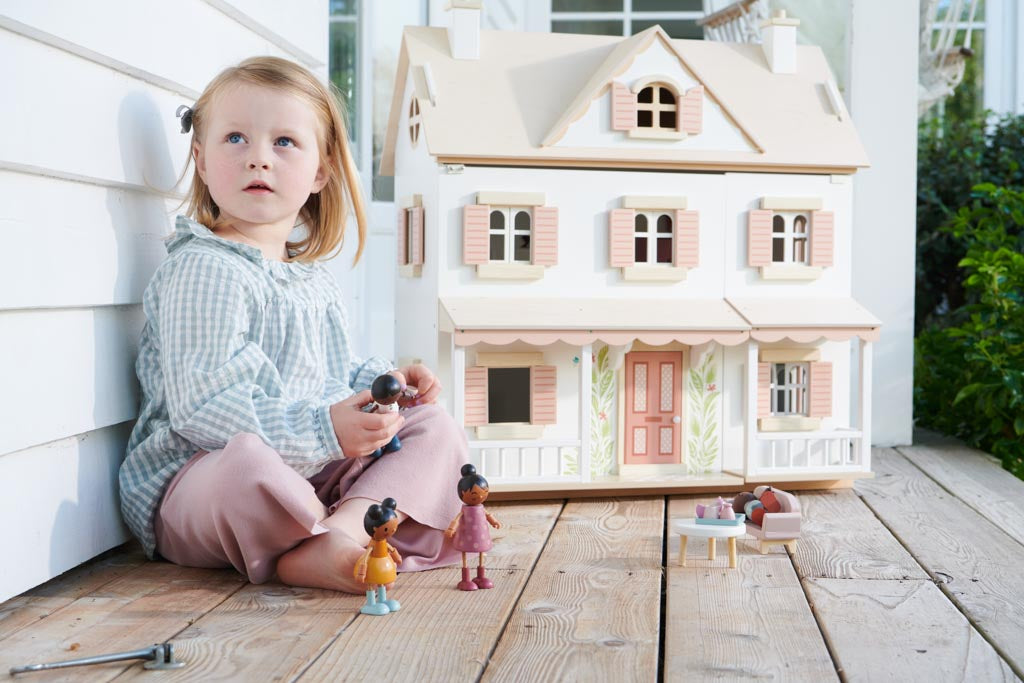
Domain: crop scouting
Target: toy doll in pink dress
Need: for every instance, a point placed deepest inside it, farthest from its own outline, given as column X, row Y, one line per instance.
column 469, row 529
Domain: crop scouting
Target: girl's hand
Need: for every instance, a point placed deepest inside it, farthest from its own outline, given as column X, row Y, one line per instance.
column 427, row 385
column 362, row 433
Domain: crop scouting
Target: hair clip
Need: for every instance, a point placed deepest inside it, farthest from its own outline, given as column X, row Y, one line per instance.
column 184, row 113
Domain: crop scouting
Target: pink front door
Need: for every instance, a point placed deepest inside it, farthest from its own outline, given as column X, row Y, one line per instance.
column 654, row 407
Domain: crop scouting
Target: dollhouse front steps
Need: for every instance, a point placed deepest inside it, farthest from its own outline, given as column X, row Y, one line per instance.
column 716, row 482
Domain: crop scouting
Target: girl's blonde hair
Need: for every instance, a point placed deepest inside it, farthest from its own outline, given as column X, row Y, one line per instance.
column 324, row 214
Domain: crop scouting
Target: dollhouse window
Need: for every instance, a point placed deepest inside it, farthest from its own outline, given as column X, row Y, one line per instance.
column 409, row 227
column 652, row 238
column 789, row 388
column 414, row 121
column 656, row 108
column 789, row 238
column 509, row 233
column 508, row 395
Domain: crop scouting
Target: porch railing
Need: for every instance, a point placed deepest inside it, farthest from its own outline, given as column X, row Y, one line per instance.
column 838, row 450
column 519, row 460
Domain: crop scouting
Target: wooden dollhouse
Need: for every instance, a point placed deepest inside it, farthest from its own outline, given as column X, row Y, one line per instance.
column 629, row 259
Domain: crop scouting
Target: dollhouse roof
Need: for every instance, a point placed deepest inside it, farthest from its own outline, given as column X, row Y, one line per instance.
column 511, row 104
column 807, row 319
column 543, row 320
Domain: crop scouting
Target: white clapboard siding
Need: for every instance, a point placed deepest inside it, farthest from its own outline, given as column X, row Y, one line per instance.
column 60, row 506
column 304, row 34
column 196, row 39
column 66, row 372
column 102, row 244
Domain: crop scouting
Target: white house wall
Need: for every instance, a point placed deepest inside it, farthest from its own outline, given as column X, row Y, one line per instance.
column 594, row 128
column 90, row 93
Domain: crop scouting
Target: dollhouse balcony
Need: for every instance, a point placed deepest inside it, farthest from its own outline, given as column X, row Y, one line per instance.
column 814, row 455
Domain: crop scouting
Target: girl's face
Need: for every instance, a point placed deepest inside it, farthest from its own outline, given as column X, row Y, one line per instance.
column 260, row 155
column 475, row 495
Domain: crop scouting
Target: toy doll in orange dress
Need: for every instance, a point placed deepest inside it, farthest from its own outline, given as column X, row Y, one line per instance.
column 377, row 567
column 469, row 528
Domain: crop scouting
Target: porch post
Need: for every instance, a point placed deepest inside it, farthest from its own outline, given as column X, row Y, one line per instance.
column 864, row 396
column 586, row 375
column 458, row 383
column 751, row 404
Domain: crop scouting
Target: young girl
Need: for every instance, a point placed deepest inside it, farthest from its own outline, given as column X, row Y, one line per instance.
column 251, row 448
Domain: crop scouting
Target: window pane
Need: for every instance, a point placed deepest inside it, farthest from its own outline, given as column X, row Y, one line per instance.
column 497, row 248
column 645, row 96
column 343, row 7
column 508, row 395
column 600, row 28
column 640, row 222
column 778, row 224
column 586, row 5
column 522, row 243
column 676, row 28
column 778, row 250
column 668, row 6
column 342, row 72
column 664, row 223
column 800, row 250
column 667, row 119
column 497, row 220
column 644, row 118
column 640, row 253
column 665, row 96
column 522, row 220
column 800, row 224
column 664, row 250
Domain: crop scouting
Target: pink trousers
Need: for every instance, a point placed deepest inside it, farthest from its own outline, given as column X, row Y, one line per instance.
column 243, row 507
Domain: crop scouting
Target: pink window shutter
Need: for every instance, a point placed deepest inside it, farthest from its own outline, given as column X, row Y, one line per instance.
column 690, row 110
column 822, row 238
column 620, row 237
column 416, row 253
column 545, row 235
column 687, row 239
column 475, row 221
column 476, row 397
column 623, row 108
column 759, row 238
column 820, row 390
column 543, row 395
column 400, row 233
column 764, row 389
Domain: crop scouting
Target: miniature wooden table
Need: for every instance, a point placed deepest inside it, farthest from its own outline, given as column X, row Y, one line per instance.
column 712, row 532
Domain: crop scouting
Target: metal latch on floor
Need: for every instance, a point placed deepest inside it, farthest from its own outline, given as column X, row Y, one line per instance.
column 159, row 656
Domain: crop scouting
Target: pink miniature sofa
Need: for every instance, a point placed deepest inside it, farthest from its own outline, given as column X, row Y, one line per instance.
column 781, row 527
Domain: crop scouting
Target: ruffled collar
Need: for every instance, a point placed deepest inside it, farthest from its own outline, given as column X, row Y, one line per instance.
column 186, row 229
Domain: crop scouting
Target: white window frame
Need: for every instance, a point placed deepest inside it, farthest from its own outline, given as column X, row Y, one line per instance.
column 656, row 106
column 626, row 15
column 652, row 217
column 790, row 392
column 510, row 232
column 789, row 237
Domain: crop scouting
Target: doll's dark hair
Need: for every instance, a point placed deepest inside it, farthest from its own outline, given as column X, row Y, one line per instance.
column 379, row 515
column 385, row 387
column 470, row 479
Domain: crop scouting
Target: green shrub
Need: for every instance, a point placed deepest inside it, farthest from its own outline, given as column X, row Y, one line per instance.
column 953, row 156
column 969, row 372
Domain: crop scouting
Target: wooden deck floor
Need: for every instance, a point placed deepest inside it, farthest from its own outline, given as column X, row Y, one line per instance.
column 914, row 575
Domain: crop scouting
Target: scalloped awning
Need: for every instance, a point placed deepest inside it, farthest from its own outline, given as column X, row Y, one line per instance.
column 546, row 320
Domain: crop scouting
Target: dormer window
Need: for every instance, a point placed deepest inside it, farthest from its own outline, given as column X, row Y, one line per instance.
column 656, row 108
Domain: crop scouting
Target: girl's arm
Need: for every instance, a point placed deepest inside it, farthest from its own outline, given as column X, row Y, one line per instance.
column 359, row 571
column 217, row 383
column 394, row 554
column 453, row 526
column 491, row 520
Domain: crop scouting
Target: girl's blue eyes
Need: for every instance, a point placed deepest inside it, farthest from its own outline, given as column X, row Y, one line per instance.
column 235, row 138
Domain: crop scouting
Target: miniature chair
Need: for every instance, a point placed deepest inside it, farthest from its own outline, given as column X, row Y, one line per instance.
column 778, row 527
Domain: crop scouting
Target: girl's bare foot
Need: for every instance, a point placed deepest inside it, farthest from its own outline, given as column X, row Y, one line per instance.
column 323, row 561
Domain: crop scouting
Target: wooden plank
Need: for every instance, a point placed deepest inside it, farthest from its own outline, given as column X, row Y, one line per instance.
column 975, row 563
column 842, row 539
column 102, row 243
column 147, row 605
column 590, row 610
column 748, row 622
column 274, row 632
column 974, row 477
column 42, row 601
column 63, row 495
column 66, row 372
column 902, row 631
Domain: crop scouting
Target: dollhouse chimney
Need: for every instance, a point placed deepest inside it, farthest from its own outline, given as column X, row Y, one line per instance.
column 464, row 31
column 778, row 40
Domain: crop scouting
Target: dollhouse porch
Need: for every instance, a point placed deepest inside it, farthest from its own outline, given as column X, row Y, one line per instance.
column 911, row 575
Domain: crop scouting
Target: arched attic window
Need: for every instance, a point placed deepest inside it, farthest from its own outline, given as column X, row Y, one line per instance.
column 414, row 121
column 656, row 106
